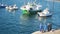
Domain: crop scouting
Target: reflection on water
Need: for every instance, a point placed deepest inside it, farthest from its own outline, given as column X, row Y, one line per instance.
column 10, row 10
column 45, row 19
column 42, row 18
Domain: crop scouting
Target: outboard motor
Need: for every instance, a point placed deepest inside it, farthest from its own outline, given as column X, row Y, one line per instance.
column 31, row 8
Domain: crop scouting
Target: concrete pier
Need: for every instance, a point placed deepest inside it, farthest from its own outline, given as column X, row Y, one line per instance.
column 51, row 32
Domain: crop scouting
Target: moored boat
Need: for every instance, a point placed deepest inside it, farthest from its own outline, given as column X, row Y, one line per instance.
column 45, row 12
column 2, row 5
column 31, row 7
column 14, row 7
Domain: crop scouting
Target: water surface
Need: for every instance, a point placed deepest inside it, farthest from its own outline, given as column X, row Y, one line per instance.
column 14, row 22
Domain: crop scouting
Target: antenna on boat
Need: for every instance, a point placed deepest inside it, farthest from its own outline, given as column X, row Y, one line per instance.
column 47, row 5
column 29, row 2
column 24, row 2
column 34, row 2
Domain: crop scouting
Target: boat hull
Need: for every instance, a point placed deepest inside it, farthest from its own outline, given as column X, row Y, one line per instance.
column 34, row 11
column 45, row 15
column 12, row 8
column 25, row 12
column 2, row 6
column 30, row 11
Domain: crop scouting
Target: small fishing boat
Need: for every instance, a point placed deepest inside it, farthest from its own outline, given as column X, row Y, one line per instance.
column 45, row 12
column 2, row 5
column 14, row 7
column 31, row 7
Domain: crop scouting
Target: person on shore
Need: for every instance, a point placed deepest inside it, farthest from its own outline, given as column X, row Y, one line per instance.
column 41, row 28
column 45, row 28
column 49, row 25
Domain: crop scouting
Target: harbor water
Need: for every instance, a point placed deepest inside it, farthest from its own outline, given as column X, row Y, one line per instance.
column 14, row 22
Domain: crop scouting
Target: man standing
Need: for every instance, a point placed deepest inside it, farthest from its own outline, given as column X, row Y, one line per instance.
column 49, row 26
column 41, row 27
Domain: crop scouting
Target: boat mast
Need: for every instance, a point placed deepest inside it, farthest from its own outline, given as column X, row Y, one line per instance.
column 47, row 4
column 35, row 2
column 24, row 2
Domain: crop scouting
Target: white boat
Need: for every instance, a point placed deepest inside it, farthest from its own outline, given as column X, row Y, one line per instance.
column 12, row 7
column 2, row 5
column 45, row 12
column 31, row 7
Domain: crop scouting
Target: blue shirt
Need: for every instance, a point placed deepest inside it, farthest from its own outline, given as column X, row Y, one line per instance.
column 45, row 27
column 41, row 27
